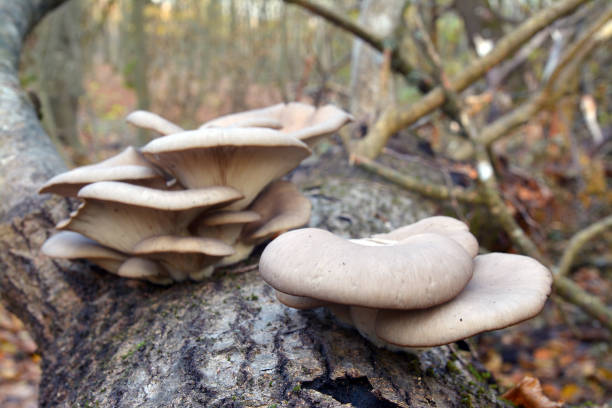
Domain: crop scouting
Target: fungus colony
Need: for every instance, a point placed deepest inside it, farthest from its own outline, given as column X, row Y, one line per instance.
column 421, row 285
column 191, row 200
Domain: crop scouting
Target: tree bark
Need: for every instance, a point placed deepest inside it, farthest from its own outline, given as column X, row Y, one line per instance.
column 107, row 341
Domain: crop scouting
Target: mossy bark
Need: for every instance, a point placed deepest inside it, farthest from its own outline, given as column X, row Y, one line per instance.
column 107, row 341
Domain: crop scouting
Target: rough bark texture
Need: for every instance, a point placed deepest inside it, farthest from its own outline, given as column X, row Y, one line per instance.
column 107, row 341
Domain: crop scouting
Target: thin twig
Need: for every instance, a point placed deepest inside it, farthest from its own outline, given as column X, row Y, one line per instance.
column 578, row 241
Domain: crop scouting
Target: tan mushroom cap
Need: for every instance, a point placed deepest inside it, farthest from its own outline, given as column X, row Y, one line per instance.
column 505, row 289
column 152, row 121
column 72, row 245
column 419, row 272
column 119, row 215
column 127, row 166
column 244, row 158
column 447, row 226
column 68, row 184
column 300, row 120
column 242, row 252
column 142, row 268
column 183, row 256
column 282, row 207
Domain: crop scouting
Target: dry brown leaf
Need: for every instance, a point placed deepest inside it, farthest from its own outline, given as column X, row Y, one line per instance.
column 528, row 393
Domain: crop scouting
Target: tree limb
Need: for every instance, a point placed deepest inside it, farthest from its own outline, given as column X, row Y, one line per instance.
column 554, row 87
column 578, row 241
column 398, row 62
column 394, row 119
column 411, row 183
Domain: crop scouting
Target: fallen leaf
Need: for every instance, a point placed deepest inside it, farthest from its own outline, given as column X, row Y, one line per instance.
column 528, row 393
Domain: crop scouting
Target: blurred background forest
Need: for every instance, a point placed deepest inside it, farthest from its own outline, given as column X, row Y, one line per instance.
column 93, row 61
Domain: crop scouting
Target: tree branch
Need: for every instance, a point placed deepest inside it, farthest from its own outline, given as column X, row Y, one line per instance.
column 394, row 119
column 398, row 62
column 411, row 183
column 552, row 90
column 578, row 241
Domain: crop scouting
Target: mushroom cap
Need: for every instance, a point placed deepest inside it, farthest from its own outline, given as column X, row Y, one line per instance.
column 270, row 115
column 244, row 158
column 506, row 289
column 174, row 200
column 300, row 120
column 282, row 207
column 242, row 252
column 120, row 215
column 447, row 226
column 183, row 256
column 182, row 245
column 129, row 165
column 225, row 217
column 142, row 268
column 152, row 121
column 298, row 302
column 223, row 225
column 69, row 183
column 72, row 245
column 419, row 272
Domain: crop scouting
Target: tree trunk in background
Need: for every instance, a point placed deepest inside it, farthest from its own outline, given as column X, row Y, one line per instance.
column 139, row 60
column 59, row 72
column 112, row 342
column 367, row 96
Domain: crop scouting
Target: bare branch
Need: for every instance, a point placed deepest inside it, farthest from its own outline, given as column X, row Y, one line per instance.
column 411, row 183
column 395, row 118
column 398, row 62
column 578, row 241
column 553, row 89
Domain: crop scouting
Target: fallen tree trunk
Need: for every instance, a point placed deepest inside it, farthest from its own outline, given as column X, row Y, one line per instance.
column 107, row 341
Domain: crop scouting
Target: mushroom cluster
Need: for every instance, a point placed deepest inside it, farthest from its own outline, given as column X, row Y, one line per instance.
column 190, row 200
column 421, row 285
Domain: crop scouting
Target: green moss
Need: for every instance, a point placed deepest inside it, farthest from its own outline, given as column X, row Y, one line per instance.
column 452, row 368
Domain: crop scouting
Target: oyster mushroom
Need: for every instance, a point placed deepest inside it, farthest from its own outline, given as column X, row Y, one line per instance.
column 300, row 120
column 72, row 245
column 244, row 158
column 421, row 271
column 127, row 166
column 120, row 215
column 152, row 121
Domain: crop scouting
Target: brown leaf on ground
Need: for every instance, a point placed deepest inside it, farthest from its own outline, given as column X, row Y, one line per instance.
column 528, row 393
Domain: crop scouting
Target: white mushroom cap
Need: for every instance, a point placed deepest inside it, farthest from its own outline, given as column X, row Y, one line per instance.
column 119, row 215
column 505, row 289
column 183, row 256
column 244, row 158
column 151, row 121
column 299, row 302
column 419, row 272
column 447, row 226
column 300, row 120
column 72, row 245
column 127, row 166
column 282, row 207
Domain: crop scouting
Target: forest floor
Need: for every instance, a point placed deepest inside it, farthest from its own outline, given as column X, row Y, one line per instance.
column 562, row 348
